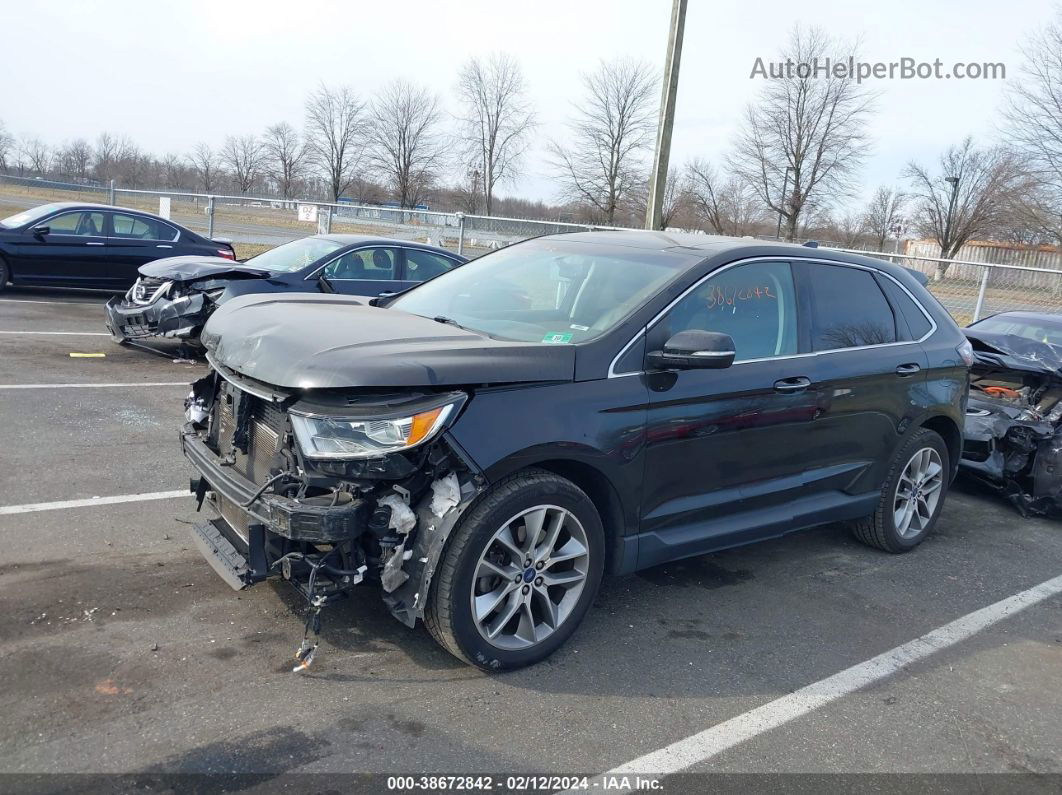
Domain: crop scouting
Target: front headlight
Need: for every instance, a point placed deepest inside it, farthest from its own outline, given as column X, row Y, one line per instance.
column 346, row 438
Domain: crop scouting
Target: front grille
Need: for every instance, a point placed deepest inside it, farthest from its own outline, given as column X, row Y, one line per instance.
column 144, row 289
column 265, row 437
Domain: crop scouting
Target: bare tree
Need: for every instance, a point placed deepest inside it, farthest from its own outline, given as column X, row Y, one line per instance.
column 243, row 155
column 335, row 135
column 406, row 149
column 207, row 167
column 849, row 228
column 969, row 194
column 883, row 214
column 496, row 120
column 1033, row 115
column 600, row 162
column 7, row 144
column 726, row 204
column 805, row 137
column 37, row 154
column 285, row 157
column 106, row 154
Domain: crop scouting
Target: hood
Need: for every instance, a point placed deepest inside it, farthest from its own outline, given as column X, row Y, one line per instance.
column 1011, row 352
column 190, row 269
column 310, row 341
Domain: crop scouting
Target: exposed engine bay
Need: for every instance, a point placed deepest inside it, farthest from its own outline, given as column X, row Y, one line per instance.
column 1013, row 428
column 325, row 524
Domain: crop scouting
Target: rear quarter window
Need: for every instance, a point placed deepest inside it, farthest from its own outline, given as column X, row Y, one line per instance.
column 917, row 322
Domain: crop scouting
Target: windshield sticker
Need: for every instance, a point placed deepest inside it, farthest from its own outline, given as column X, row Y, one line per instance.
column 557, row 337
column 577, row 327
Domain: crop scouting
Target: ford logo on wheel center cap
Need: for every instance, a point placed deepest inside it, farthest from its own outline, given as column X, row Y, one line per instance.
column 529, row 574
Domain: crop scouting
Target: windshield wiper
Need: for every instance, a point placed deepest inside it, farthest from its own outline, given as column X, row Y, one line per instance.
column 449, row 321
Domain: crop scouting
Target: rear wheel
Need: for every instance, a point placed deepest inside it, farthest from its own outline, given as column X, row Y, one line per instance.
column 519, row 573
column 912, row 497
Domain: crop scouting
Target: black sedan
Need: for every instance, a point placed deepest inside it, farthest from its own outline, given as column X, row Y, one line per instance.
column 97, row 246
column 174, row 297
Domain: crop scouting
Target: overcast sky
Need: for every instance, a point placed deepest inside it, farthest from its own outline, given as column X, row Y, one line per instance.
column 172, row 74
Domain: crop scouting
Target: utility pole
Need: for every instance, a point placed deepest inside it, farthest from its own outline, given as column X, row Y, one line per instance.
column 658, row 179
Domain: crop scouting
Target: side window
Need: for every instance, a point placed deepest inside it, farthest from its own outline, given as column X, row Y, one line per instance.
column 916, row 319
column 423, row 265
column 135, row 227
column 849, row 309
column 84, row 224
column 373, row 264
column 754, row 303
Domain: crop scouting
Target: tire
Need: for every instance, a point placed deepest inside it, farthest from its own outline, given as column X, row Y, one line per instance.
column 5, row 274
column 881, row 529
column 476, row 554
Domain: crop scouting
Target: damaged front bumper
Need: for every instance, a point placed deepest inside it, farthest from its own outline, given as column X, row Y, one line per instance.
column 182, row 317
column 1017, row 457
column 1012, row 435
column 385, row 533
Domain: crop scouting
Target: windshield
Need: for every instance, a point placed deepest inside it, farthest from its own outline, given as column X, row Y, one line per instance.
column 294, row 256
column 547, row 290
column 29, row 216
column 1020, row 327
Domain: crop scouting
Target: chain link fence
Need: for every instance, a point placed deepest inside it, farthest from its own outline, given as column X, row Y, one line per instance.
column 969, row 289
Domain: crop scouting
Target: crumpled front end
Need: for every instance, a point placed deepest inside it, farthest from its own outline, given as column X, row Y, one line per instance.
column 1013, row 427
column 324, row 523
column 160, row 308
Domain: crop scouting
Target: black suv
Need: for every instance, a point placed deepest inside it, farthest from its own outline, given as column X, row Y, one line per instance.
column 486, row 445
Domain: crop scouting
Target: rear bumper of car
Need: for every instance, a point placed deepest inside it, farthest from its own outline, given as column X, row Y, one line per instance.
column 182, row 317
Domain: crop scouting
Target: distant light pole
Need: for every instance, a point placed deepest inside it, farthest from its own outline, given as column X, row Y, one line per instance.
column 954, row 182
column 785, row 187
column 654, row 212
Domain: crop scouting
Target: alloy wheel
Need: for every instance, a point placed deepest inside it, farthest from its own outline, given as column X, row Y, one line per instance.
column 529, row 577
column 918, row 492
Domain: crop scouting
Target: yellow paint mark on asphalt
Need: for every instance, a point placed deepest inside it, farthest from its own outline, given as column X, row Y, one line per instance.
column 87, row 355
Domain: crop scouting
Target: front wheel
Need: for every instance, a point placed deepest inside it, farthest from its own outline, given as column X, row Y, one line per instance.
column 519, row 573
column 912, row 497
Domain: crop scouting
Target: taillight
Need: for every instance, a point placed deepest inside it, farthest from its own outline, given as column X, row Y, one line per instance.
column 965, row 350
column 227, row 253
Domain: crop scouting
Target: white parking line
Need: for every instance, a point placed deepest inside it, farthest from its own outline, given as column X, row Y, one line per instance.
column 723, row 736
column 31, row 301
column 92, row 386
column 62, row 333
column 61, row 504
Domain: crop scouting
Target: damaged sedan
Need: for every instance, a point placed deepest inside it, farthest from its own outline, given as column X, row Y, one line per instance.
column 173, row 297
column 1013, row 432
column 483, row 448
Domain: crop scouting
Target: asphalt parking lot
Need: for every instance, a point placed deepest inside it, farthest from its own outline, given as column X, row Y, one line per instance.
column 122, row 651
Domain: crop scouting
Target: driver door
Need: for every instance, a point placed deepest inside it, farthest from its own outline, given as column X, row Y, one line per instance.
column 366, row 271
column 725, row 448
column 74, row 253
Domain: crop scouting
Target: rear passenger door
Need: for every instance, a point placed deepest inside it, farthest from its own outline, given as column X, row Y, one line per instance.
column 134, row 240
column 865, row 367
column 420, row 266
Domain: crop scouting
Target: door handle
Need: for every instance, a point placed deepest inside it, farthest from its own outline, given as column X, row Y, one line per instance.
column 907, row 369
column 796, row 384
column 93, row 243
column 163, row 245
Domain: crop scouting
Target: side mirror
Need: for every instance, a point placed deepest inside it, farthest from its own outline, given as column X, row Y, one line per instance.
column 694, row 349
column 40, row 231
